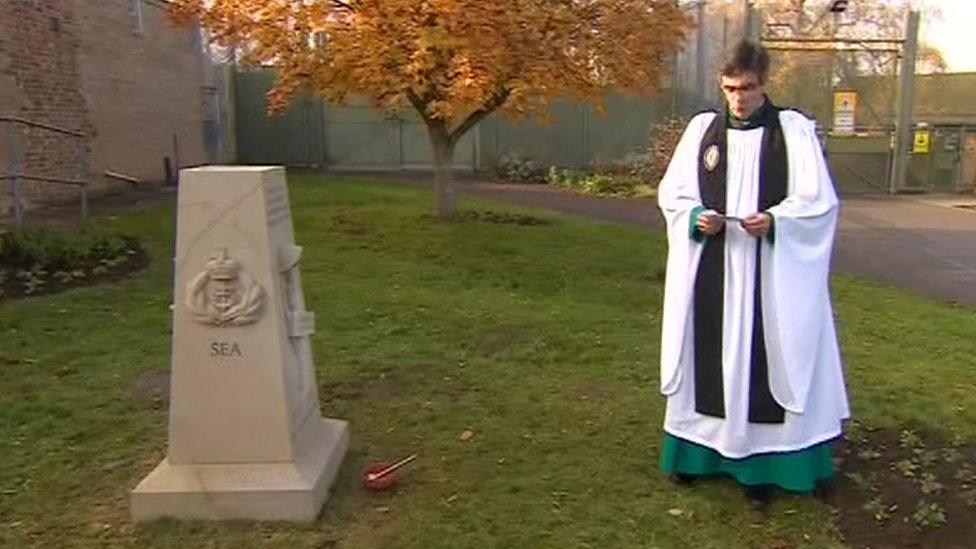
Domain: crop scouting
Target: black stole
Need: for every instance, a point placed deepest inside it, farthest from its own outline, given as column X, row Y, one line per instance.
column 710, row 277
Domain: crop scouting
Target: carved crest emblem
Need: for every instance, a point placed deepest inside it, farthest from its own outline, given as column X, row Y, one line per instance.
column 223, row 294
column 711, row 157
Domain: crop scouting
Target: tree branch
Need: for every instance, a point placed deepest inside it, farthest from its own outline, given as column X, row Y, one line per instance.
column 419, row 104
column 343, row 5
column 496, row 101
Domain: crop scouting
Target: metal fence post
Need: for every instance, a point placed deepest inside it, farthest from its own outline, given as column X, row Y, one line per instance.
column 585, row 164
column 906, row 94
column 890, row 160
column 401, row 159
column 960, row 158
column 176, row 157
column 83, row 179
column 323, row 133
column 13, row 138
column 306, row 129
column 13, row 156
column 931, row 155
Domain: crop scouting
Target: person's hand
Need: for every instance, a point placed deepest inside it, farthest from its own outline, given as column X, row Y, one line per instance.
column 709, row 222
column 757, row 224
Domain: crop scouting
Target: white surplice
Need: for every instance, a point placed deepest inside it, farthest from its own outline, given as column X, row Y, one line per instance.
column 805, row 373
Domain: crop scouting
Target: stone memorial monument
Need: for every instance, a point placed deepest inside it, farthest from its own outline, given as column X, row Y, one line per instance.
column 246, row 437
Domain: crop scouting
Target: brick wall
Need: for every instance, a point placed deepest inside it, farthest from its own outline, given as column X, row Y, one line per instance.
column 141, row 87
column 39, row 81
column 90, row 66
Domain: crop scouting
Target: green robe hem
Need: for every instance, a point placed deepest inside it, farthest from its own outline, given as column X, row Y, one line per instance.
column 693, row 231
column 797, row 471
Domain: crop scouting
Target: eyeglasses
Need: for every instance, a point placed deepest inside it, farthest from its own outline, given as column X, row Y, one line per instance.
column 751, row 86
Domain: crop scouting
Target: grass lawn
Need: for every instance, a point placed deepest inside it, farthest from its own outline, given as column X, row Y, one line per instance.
column 541, row 339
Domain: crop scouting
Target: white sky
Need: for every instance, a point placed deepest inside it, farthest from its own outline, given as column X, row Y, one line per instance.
column 953, row 34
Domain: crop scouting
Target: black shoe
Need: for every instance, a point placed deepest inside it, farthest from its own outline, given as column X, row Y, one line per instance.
column 824, row 489
column 682, row 479
column 759, row 495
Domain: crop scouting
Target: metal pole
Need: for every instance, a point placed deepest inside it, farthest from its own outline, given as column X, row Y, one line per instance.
column 305, row 131
column 773, row 46
column 219, row 126
column 798, row 28
column 829, row 105
column 323, row 133
column 674, row 78
column 476, row 146
column 586, row 138
column 931, row 154
column 958, row 185
column 231, row 106
column 13, row 156
column 755, row 23
column 83, row 178
column 176, row 158
column 700, row 53
column 889, row 164
column 725, row 36
column 747, row 19
column 835, row 40
column 401, row 163
column 903, row 115
column 674, row 83
column 494, row 143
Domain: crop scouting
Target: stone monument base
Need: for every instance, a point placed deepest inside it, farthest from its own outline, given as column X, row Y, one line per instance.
column 291, row 491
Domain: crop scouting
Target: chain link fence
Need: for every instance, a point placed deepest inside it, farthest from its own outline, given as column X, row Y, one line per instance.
column 355, row 136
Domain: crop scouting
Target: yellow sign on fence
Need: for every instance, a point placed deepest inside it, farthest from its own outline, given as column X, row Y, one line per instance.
column 922, row 142
column 845, row 104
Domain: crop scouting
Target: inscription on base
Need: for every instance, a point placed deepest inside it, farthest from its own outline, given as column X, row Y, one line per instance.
column 226, row 349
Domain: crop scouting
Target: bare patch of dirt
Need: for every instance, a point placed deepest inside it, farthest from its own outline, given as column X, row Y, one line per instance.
column 153, row 386
column 500, row 339
column 498, row 218
column 905, row 489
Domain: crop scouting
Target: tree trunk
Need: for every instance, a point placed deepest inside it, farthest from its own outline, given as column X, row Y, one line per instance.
column 442, row 141
column 443, row 147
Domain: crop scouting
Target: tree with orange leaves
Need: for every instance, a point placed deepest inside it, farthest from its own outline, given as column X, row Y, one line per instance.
column 454, row 61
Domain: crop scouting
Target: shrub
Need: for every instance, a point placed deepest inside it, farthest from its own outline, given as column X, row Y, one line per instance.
column 634, row 165
column 590, row 183
column 520, row 168
column 54, row 251
column 664, row 138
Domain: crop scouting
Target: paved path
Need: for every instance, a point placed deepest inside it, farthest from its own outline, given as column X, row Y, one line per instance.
column 920, row 243
column 924, row 245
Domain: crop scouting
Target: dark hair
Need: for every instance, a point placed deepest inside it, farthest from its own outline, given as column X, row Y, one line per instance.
column 747, row 56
